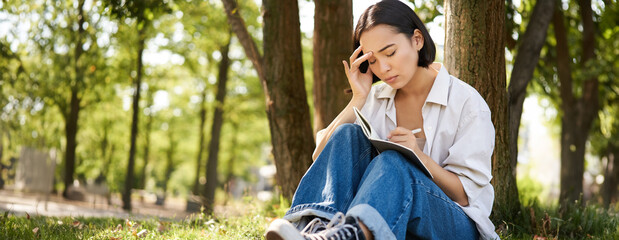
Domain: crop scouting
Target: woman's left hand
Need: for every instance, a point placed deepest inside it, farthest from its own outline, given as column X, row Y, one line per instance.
column 404, row 137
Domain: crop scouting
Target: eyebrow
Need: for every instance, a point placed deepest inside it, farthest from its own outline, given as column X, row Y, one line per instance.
column 383, row 49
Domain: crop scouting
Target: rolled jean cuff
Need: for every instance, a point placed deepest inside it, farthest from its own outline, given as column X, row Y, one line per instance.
column 310, row 209
column 372, row 220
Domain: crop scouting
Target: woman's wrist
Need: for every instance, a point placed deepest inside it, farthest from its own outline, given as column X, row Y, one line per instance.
column 357, row 101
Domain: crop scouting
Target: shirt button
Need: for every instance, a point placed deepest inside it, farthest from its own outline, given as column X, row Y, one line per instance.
column 430, row 128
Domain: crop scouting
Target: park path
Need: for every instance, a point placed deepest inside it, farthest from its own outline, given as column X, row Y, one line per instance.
column 19, row 203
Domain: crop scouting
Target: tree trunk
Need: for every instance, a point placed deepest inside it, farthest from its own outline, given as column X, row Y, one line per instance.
column 71, row 119
column 287, row 108
column 213, row 147
column 611, row 173
column 332, row 43
column 571, row 172
column 578, row 113
column 149, row 124
column 196, row 183
column 169, row 168
column 71, row 135
column 126, row 196
column 524, row 66
column 230, row 172
column 475, row 53
column 237, row 25
column 281, row 74
column 106, row 156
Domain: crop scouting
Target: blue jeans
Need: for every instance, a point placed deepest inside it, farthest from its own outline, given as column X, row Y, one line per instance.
column 391, row 196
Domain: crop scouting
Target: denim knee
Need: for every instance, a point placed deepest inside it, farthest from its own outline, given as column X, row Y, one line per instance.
column 347, row 129
column 392, row 159
column 396, row 160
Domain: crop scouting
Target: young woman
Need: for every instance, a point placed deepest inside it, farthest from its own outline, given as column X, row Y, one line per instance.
column 370, row 195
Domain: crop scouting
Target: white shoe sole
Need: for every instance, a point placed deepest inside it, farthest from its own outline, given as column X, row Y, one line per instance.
column 281, row 229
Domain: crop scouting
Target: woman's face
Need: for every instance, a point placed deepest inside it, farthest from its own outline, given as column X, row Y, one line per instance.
column 395, row 56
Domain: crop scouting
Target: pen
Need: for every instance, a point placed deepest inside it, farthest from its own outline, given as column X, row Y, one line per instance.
column 417, row 130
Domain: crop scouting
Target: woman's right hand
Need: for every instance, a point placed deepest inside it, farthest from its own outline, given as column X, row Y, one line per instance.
column 360, row 83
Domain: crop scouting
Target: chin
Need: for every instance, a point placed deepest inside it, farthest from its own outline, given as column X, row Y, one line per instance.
column 395, row 85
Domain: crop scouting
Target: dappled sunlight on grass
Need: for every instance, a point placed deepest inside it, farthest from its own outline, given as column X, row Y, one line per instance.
column 250, row 225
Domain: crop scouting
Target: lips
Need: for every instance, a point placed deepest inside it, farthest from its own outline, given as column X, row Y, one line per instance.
column 390, row 79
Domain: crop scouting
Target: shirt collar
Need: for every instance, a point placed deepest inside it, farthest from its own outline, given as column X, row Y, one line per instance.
column 438, row 93
column 440, row 89
column 386, row 92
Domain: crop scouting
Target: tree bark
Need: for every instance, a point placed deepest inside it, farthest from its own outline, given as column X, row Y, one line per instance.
column 71, row 135
column 196, row 184
column 475, row 53
column 149, row 124
column 332, row 43
column 213, row 147
column 282, row 79
column 287, row 108
column 578, row 113
column 126, row 196
column 71, row 119
column 237, row 26
column 524, row 66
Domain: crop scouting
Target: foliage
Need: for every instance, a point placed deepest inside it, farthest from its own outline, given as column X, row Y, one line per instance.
column 541, row 219
column 35, row 75
column 576, row 222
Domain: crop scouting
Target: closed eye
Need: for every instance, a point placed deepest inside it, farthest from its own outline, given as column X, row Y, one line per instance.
column 389, row 55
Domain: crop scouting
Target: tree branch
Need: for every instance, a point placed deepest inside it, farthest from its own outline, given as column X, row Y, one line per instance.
column 529, row 49
column 238, row 27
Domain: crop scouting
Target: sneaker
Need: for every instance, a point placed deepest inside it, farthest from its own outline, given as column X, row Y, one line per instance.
column 317, row 224
column 340, row 228
column 281, row 229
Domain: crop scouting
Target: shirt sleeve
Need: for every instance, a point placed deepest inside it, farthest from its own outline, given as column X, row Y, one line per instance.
column 319, row 135
column 366, row 110
column 470, row 155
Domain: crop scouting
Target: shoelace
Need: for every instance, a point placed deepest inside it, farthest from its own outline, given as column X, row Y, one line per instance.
column 314, row 226
column 337, row 229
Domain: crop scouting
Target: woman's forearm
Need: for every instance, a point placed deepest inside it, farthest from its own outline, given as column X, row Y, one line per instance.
column 346, row 116
column 448, row 181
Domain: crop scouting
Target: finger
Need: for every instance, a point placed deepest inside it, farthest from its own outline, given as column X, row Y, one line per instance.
column 346, row 68
column 354, row 54
column 399, row 139
column 355, row 64
column 399, row 131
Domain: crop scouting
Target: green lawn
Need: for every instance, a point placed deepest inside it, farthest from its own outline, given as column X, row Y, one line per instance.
column 197, row 227
column 588, row 222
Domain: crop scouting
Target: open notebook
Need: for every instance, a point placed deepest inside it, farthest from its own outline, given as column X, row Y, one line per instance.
column 383, row 145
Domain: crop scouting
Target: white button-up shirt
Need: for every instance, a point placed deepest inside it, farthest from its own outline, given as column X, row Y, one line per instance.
column 459, row 137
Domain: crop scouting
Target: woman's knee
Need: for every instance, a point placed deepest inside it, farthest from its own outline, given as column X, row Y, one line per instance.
column 395, row 160
column 347, row 132
column 347, row 128
column 391, row 158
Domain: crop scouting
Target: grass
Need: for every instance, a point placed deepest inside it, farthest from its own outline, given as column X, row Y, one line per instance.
column 576, row 221
column 246, row 227
column 250, row 225
column 534, row 222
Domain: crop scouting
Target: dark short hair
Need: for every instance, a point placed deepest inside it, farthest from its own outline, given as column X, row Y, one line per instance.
column 403, row 19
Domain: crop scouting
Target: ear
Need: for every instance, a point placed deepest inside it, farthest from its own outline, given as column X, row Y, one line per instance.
column 417, row 40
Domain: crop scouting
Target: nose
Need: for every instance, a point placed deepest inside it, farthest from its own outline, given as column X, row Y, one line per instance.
column 384, row 66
